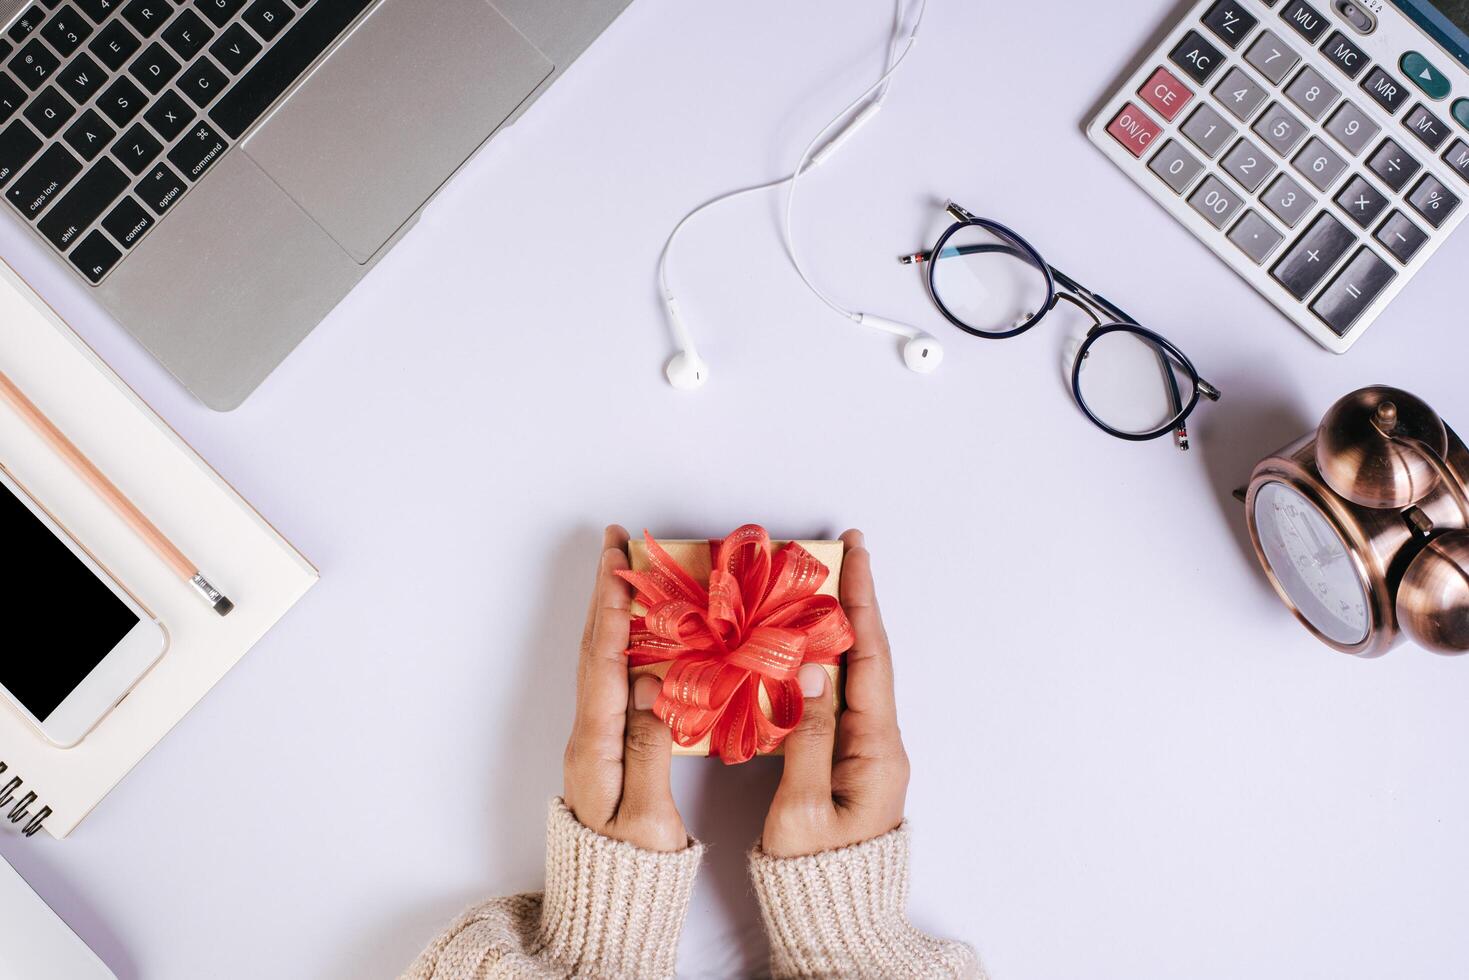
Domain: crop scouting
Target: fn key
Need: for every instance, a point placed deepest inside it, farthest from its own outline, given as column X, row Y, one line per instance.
column 1352, row 291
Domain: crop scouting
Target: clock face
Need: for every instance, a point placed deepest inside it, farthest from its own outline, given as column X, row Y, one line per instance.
column 1311, row 563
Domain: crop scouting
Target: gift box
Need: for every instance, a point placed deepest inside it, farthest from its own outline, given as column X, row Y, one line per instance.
column 726, row 624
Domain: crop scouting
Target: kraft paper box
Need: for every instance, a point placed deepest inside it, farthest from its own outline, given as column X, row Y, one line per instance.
column 695, row 558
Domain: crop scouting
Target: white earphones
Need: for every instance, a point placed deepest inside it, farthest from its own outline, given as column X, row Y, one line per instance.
column 686, row 370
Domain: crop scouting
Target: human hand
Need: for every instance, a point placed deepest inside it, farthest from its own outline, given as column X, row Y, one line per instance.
column 619, row 755
column 844, row 781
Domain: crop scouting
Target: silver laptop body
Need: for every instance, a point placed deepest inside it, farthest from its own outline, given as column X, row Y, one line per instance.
column 222, row 172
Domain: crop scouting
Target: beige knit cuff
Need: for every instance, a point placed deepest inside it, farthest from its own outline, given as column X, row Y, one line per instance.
column 611, row 909
column 843, row 914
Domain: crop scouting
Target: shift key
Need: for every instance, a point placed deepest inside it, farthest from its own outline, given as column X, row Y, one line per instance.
column 48, row 176
column 83, row 204
column 1313, row 255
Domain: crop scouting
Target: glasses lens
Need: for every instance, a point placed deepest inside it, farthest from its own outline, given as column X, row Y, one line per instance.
column 988, row 282
column 1132, row 385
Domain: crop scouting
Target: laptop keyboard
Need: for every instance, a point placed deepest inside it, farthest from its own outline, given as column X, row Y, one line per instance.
column 111, row 110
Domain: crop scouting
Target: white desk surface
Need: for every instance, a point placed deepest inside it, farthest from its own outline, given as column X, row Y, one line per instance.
column 1129, row 761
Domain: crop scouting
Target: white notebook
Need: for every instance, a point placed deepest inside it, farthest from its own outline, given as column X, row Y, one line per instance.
column 38, row 945
column 42, row 786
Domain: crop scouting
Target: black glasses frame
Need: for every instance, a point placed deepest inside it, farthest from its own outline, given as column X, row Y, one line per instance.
column 1107, row 318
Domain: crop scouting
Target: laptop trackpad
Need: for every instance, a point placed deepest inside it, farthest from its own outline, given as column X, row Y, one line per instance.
column 384, row 121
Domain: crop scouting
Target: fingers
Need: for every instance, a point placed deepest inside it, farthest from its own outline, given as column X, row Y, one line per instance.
column 602, row 689
column 809, row 749
column 646, row 760
column 869, row 687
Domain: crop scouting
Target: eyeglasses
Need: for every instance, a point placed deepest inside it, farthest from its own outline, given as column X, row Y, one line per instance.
column 1131, row 382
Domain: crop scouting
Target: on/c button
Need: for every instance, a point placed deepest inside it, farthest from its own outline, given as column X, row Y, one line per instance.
column 1134, row 130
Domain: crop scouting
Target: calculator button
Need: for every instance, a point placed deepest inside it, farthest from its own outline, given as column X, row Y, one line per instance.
column 1247, row 164
column 1433, row 201
column 1422, row 73
column 1197, row 57
column 1385, row 90
column 1361, row 201
column 1166, row 94
column 1345, row 55
column 1305, row 19
column 1458, row 158
column 1240, row 94
column 1401, row 237
column 1207, row 130
column 1430, row 130
column 1352, row 129
column 1392, row 163
column 1229, row 22
column 1312, row 93
column 1133, row 129
column 1318, row 164
column 1216, row 202
column 1255, row 237
column 1281, row 130
column 1272, row 57
column 1352, row 291
column 1176, row 167
column 1461, row 112
column 1325, row 241
column 1288, row 200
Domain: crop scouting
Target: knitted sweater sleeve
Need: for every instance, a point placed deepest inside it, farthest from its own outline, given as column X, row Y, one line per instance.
column 610, row 911
column 843, row 914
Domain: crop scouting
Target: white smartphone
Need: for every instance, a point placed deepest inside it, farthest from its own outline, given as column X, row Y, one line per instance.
column 78, row 641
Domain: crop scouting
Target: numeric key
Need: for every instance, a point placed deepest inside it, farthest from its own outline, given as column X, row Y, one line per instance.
column 1281, row 130
column 1288, row 200
column 1240, row 94
column 34, row 65
column 66, row 31
column 1318, row 164
column 1272, row 57
column 1312, row 93
column 1215, row 202
column 1247, row 164
column 1207, row 130
column 1350, row 127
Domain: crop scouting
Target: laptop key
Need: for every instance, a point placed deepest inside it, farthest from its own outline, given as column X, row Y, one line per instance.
column 115, row 45
column 161, row 188
column 47, row 177
column 170, row 115
column 155, row 68
column 83, row 204
column 81, row 79
column 127, row 222
column 89, row 135
column 98, row 10
column 1401, row 237
column 202, row 82
column 187, row 35
column 1352, row 291
column 235, row 49
column 49, row 111
column 17, row 146
column 1324, row 242
column 220, row 11
column 121, row 102
column 147, row 16
column 12, row 97
column 66, row 31
column 137, row 149
column 34, row 65
column 268, row 17
column 277, row 70
column 26, row 24
column 95, row 257
column 197, row 152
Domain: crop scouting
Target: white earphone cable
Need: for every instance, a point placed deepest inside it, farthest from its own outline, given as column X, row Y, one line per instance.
column 876, row 92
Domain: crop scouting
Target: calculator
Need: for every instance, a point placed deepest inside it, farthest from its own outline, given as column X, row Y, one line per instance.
column 1320, row 149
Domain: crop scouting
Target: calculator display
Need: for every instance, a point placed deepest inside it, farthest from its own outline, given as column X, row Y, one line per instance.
column 1446, row 20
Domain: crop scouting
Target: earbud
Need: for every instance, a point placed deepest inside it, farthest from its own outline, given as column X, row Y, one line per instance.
column 922, row 354
column 686, row 370
column 920, row 351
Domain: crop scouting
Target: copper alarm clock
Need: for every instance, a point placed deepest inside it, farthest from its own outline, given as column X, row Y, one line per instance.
column 1363, row 526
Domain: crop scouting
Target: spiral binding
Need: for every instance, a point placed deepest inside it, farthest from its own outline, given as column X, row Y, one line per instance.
column 22, row 808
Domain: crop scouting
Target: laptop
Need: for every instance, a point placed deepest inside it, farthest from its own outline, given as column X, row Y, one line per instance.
column 221, row 173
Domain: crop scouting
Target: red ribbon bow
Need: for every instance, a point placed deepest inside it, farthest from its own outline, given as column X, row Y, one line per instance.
column 754, row 626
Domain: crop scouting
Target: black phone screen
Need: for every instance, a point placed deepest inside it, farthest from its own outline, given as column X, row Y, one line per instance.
column 62, row 620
